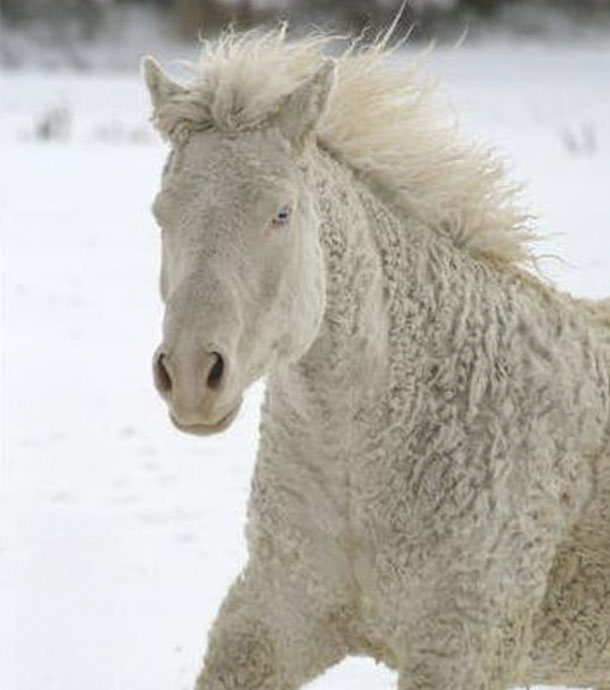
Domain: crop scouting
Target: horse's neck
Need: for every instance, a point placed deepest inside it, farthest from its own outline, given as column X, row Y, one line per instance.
column 354, row 271
column 366, row 249
column 377, row 259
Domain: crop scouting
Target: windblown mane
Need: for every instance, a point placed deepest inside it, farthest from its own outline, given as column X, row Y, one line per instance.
column 381, row 119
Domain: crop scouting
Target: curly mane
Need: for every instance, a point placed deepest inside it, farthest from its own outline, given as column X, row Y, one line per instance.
column 381, row 119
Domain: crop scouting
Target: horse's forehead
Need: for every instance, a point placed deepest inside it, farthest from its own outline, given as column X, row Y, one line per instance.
column 219, row 158
column 215, row 171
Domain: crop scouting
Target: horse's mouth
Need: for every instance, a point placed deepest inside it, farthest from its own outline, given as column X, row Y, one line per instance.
column 208, row 429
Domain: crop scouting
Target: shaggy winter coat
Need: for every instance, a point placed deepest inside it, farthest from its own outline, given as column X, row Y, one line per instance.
column 432, row 486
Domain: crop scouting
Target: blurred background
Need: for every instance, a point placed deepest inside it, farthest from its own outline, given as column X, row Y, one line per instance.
column 66, row 32
column 119, row 536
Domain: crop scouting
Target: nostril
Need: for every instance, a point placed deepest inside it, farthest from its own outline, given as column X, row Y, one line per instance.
column 163, row 380
column 216, row 372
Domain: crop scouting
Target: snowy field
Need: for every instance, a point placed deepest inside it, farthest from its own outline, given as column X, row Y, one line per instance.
column 119, row 536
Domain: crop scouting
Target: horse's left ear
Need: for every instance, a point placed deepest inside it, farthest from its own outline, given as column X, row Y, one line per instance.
column 301, row 110
column 160, row 86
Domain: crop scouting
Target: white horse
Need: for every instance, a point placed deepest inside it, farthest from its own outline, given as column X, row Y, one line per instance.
column 432, row 485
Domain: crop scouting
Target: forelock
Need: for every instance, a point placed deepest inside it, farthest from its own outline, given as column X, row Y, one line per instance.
column 240, row 82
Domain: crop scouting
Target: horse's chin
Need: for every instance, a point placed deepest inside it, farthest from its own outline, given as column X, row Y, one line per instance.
column 208, row 429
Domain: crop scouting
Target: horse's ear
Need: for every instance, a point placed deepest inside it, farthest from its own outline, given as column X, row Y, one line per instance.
column 300, row 111
column 160, row 86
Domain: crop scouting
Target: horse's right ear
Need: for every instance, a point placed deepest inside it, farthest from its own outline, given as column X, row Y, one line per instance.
column 160, row 86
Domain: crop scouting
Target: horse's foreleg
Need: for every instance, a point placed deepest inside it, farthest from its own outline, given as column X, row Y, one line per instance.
column 269, row 638
column 464, row 659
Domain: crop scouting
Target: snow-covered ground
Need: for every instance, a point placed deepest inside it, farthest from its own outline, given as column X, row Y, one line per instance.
column 118, row 536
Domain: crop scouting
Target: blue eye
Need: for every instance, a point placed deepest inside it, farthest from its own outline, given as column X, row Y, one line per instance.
column 282, row 217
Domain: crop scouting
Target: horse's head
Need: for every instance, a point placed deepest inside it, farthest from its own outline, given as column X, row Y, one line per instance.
column 242, row 274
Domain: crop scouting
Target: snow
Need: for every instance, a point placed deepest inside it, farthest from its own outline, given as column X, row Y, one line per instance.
column 118, row 535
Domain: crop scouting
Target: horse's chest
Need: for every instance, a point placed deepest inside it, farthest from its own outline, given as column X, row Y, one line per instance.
column 337, row 517
column 325, row 497
column 310, row 493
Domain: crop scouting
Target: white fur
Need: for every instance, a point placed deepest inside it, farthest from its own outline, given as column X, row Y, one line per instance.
column 432, row 485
